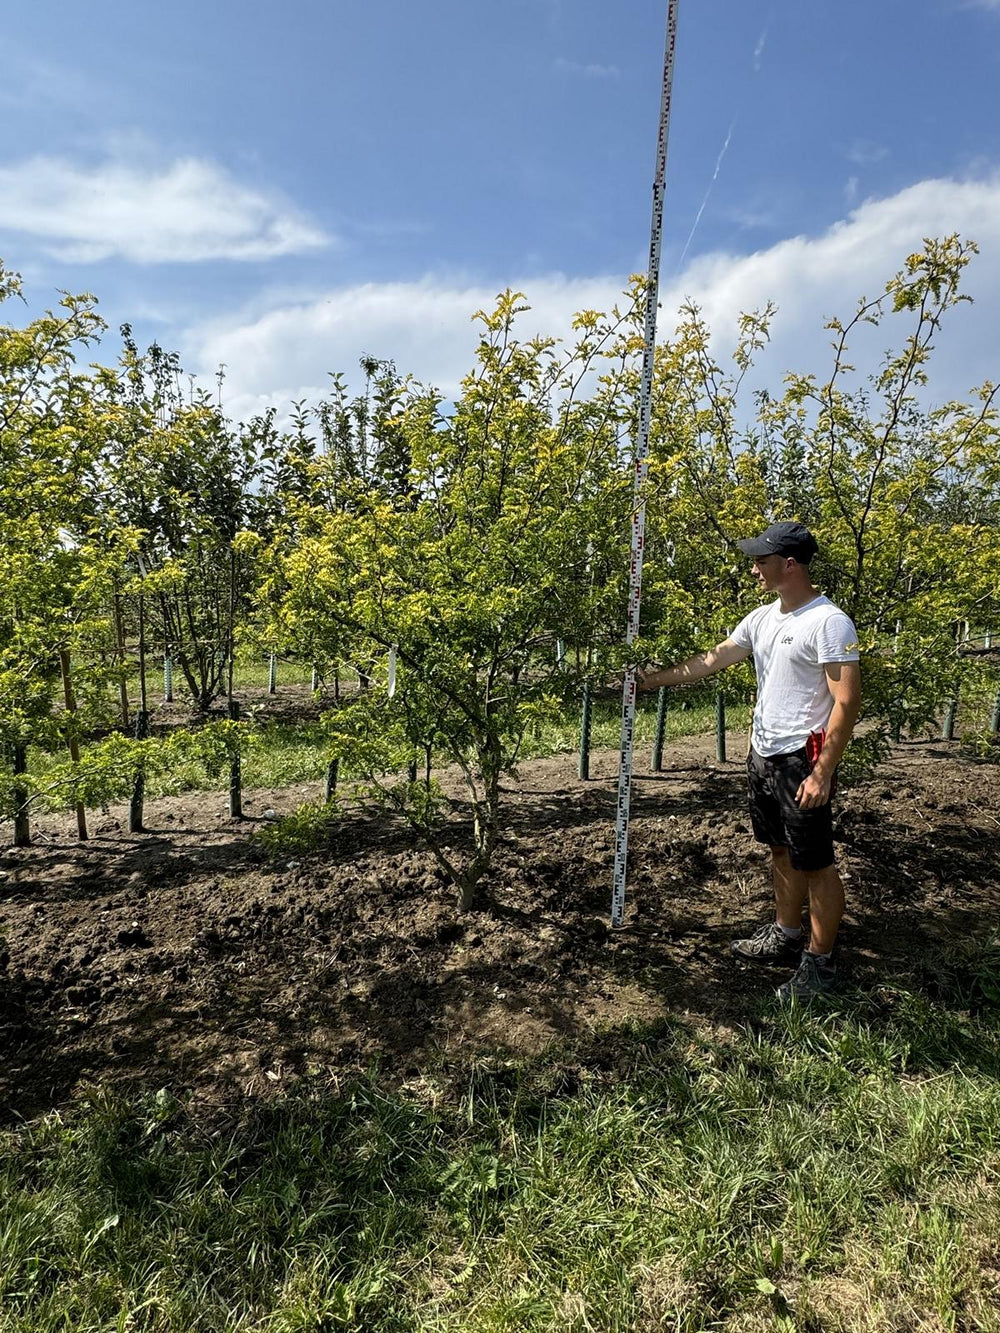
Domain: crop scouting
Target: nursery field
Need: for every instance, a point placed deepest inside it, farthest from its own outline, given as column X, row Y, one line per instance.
column 191, row 957
column 274, row 1063
column 247, row 1089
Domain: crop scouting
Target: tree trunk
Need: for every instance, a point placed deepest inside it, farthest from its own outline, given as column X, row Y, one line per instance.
column 236, row 766
column 22, row 828
column 135, row 807
column 74, row 744
column 235, row 769
column 120, row 651
column 467, row 892
column 485, row 831
column 143, row 704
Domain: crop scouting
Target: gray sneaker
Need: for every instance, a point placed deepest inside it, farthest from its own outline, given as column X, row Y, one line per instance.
column 769, row 944
column 812, row 978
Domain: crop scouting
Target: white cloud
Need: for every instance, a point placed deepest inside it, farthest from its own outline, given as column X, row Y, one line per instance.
column 588, row 71
column 425, row 327
column 31, row 82
column 187, row 211
column 752, row 214
column 811, row 279
column 865, row 153
column 285, row 352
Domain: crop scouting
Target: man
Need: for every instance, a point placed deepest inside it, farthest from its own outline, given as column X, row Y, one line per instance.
column 805, row 653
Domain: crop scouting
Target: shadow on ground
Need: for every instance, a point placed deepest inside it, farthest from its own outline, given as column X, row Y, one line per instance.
column 187, row 959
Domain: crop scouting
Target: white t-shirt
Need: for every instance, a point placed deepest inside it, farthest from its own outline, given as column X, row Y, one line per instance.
column 789, row 652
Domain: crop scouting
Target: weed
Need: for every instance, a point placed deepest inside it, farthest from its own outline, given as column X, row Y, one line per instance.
column 307, row 829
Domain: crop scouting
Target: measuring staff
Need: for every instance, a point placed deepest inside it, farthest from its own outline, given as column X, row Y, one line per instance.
column 641, row 471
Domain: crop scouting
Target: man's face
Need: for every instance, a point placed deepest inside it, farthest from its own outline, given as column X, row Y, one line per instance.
column 769, row 570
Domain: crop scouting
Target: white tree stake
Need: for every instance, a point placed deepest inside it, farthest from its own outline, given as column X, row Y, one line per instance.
column 641, row 471
column 392, row 671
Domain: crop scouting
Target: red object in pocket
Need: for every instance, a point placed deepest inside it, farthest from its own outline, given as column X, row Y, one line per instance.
column 814, row 745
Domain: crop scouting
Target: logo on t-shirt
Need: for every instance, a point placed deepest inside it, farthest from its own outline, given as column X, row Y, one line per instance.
column 789, row 638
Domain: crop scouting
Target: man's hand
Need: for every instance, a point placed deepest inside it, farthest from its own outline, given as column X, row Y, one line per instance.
column 642, row 678
column 814, row 791
column 844, row 683
column 646, row 676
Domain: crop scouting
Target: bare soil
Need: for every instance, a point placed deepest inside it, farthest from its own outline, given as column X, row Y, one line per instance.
column 184, row 958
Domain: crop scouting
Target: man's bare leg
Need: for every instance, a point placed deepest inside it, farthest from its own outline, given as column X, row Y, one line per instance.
column 791, row 888
column 818, row 974
column 769, row 944
column 826, row 907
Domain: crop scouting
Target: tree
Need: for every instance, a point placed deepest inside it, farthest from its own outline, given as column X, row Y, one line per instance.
column 179, row 475
column 902, row 495
column 55, row 564
column 471, row 570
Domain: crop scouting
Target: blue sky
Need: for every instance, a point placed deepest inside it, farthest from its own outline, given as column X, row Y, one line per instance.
column 284, row 188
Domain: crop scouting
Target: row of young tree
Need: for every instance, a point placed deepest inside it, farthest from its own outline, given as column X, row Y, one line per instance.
column 463, row 539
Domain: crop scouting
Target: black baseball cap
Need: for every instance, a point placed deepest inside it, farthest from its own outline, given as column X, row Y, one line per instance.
column 782, row 539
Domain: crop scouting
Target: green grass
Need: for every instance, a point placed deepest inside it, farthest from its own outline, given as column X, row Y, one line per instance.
column 691, row 716
column 811, row 1172
column 248, row 673
column 286, row 753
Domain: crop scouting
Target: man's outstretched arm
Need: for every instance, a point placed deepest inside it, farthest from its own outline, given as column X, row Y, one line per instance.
column 724, row 654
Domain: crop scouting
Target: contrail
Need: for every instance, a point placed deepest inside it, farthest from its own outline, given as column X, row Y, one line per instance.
column 758, row 50
column 715, row 177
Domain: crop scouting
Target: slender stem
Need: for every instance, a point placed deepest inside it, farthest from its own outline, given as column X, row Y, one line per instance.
column 74, row 744
column 22, row 827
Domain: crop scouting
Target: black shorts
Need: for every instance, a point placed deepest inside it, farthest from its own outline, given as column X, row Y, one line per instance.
column 776, row 817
